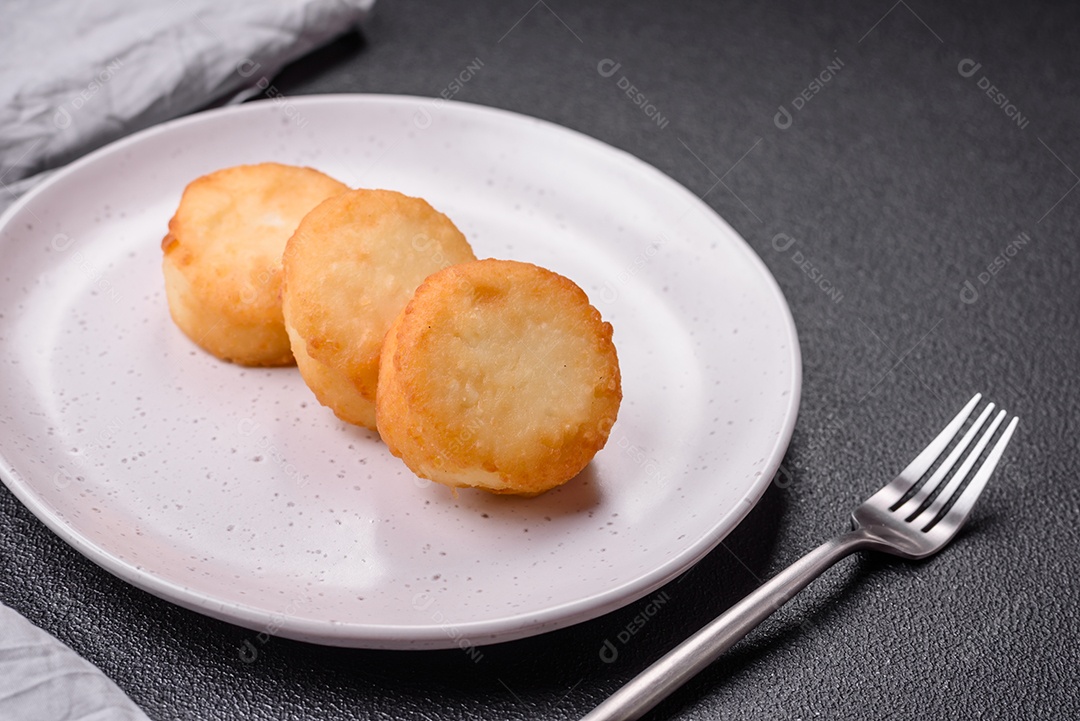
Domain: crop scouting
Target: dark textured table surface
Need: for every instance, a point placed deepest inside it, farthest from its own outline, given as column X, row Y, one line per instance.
column 923, row 160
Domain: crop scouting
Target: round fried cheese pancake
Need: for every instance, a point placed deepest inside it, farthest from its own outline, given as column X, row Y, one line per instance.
column 222, row 261
column 350, row 267
column 498, row 375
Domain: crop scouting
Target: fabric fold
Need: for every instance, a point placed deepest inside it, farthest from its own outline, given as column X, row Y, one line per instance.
column 41, row 679
column 74, row 78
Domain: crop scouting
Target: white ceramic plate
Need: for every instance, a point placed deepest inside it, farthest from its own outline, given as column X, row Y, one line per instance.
column 232, row 492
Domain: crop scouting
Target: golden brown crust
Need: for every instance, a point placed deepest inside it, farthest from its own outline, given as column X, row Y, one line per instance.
column 222, row 257
column 349, row 269
column 331, row 387
column 498, row 375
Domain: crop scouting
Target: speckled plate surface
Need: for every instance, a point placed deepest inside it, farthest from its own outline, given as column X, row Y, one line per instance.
column 232, row 492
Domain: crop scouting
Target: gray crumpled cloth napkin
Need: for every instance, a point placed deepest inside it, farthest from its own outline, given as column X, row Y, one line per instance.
column 41, row 679
column 73, row 77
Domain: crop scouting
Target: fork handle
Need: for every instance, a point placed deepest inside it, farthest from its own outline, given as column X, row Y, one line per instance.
column 679, row 665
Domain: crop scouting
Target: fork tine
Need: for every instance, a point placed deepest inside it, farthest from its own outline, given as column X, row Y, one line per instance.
column 935, row 481
column 949, row 489
column 962, row 508
column 908, row 477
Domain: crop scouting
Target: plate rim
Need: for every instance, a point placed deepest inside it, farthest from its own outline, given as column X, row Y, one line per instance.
column 407, row 637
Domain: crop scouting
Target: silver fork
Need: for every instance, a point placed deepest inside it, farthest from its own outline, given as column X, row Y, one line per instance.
column 893, row 520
